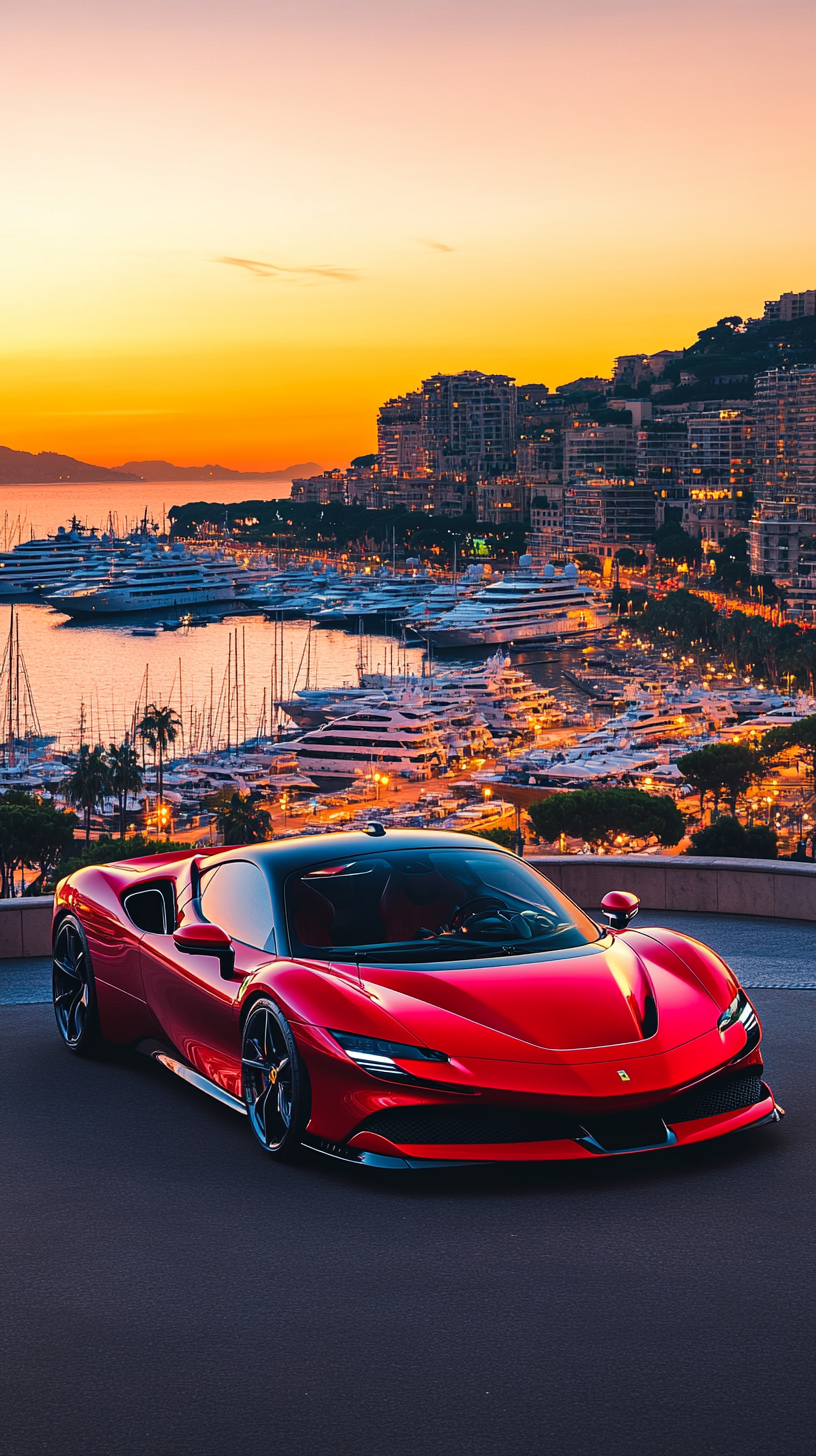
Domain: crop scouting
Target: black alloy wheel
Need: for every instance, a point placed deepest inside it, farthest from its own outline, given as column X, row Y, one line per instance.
column 275, row 1081
column 73, row 988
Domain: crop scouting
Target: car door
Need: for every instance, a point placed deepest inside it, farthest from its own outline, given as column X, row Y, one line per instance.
column 195, row 1007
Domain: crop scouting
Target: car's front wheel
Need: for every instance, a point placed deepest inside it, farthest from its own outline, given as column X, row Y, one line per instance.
column 73, row 988
column 275, row 1081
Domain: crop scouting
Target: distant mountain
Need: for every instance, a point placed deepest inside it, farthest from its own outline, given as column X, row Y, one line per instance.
column 18, row 467
column 163, row 470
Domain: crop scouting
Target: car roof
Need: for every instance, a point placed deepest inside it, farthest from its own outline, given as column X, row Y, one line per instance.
column 283, row 856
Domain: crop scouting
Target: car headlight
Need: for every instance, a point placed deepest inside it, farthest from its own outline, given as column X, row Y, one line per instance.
column 378, row 1056
column 741, row 1010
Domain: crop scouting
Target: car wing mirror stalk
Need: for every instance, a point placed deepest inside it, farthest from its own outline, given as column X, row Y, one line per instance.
column 208, row 940
column 620, row 908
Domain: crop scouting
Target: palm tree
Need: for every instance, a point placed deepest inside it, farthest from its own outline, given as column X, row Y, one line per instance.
column 126, row 776
column 89, row 781
column 241, row 822
column 159, row 728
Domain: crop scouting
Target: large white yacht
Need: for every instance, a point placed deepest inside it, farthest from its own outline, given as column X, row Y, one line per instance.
column 386, row 737
column 33, row 567
column 151, row 580
column 524, row 607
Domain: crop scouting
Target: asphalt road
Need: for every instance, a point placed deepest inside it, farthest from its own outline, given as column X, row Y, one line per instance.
column 169, row 1289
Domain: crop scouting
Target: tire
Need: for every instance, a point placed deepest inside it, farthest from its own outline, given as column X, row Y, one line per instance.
column 74, row 990
column 275, row 1081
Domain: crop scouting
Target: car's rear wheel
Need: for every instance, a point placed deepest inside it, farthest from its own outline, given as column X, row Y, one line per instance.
column 275, row 1081
column 74, row 991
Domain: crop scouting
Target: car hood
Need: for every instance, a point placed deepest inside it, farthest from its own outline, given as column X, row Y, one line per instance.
column 592, row 998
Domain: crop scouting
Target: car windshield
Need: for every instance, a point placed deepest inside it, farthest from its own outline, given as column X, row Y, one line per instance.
column 434, row 904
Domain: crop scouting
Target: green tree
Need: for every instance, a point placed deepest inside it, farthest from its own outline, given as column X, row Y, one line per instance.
column 672, row 543
column 242, row 822
column 125, row 776
column 721, row 768
column 727, row 837
column 800, row 736
column 734, row 638
column 32, row 834
column 88, row 782
column 690, row 619
column 159, row 728
column 804, row 659
column 628, row 557
column 732, row 567
column 600, row 815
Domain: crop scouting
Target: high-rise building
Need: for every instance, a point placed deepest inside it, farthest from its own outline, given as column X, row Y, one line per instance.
column 401, row 436
column 541, row 461
column 660, row 451
column 599, row 451
column 720, row 449
column 785, row 436
column 607, row 512
column 783, row 546
column 469, row 424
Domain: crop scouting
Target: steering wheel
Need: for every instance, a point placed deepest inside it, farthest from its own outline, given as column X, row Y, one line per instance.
column 467, row 917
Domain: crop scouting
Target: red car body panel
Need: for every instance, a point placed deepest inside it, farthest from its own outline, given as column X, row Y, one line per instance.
column 560, row 1034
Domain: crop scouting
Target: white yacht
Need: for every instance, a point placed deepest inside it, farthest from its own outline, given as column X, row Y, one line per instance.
column 803, row 706
column 152, row 580
column 509, row 700
column 383, row 737
column 656, row 715
column 524, row 607
column 33, row 567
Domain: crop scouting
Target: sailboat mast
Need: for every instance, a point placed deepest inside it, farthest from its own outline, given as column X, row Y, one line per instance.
column 11, row 689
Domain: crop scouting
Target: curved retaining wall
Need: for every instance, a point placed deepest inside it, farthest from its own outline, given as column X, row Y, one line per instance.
column 784, row 891
column 25, row 927
column 780, row 890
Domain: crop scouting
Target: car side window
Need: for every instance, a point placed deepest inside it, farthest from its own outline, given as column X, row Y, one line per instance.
column 235, row 896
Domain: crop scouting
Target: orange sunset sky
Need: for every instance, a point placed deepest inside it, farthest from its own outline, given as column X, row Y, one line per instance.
column 232, row 229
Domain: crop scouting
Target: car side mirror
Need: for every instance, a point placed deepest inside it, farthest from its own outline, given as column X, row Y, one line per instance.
column 620, row 907
column 209, row 940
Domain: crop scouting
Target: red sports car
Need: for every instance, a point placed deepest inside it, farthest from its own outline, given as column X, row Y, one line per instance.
column 408, row 999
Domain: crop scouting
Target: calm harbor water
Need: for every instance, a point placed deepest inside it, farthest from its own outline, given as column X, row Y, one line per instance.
column 102, row 671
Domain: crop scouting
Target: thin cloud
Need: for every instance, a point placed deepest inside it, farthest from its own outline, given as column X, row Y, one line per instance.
column 85, row 414
column 275, row 270
column 434, row 246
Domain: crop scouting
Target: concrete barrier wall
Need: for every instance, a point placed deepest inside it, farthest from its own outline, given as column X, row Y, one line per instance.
column 25, row 927
column 785, row 891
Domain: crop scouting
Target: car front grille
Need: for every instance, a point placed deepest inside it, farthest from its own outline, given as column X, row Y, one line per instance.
column 459, row 1125
column 713, row 1098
